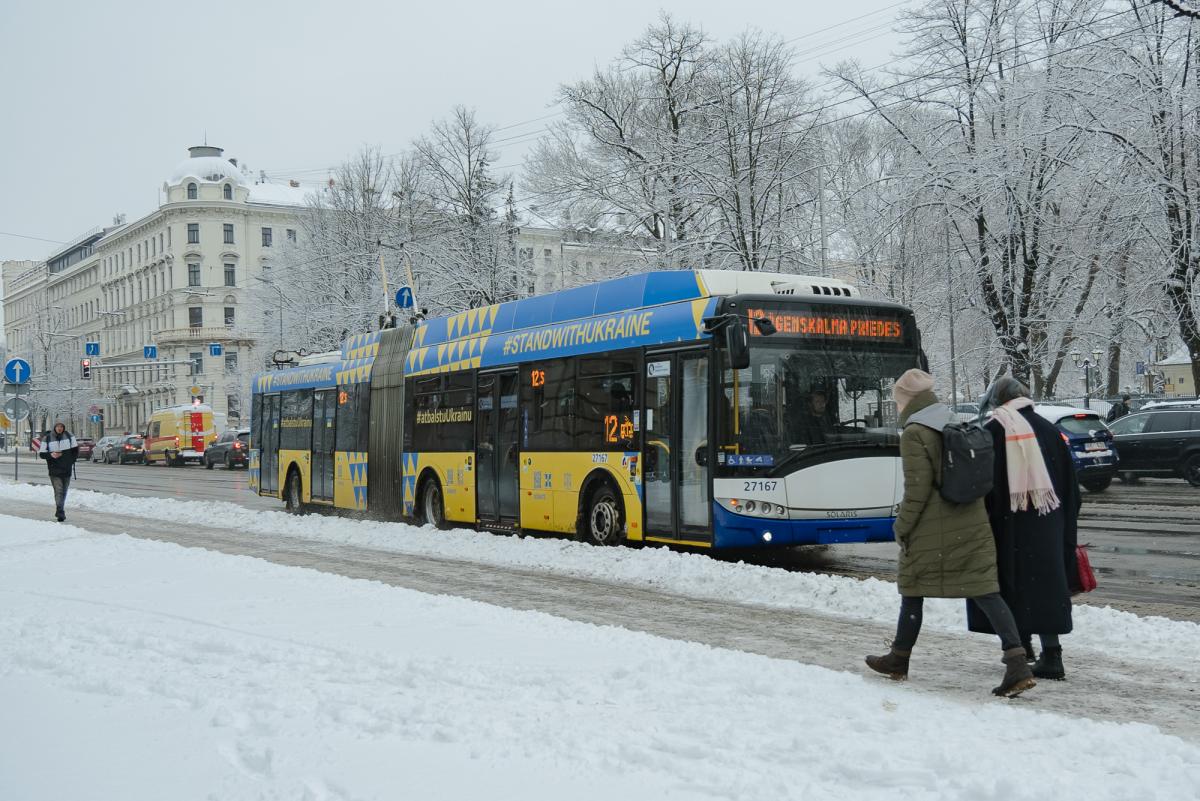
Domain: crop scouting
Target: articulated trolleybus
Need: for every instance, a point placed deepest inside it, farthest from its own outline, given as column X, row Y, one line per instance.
column 710, row 409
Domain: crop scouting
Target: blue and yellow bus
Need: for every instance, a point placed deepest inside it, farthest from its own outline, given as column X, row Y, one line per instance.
column 704, row 408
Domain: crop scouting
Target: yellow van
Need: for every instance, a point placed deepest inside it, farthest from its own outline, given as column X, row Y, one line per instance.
column 176, row 435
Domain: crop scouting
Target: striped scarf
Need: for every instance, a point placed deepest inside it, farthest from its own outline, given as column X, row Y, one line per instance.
column 1028, row 481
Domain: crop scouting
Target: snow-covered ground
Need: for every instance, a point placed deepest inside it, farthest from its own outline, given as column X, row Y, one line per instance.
column 132, row 669
column 1111, row 631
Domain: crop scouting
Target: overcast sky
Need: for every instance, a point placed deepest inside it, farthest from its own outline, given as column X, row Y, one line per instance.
column 101, row 100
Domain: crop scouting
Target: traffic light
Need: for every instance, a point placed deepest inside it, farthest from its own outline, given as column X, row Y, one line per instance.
column 85, row 369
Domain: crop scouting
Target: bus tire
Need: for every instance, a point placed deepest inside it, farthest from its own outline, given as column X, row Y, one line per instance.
column 603, row 520
column 432, row 508
column 293, row 493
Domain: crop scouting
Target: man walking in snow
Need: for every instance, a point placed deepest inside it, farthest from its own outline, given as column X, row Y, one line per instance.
column 60, row 450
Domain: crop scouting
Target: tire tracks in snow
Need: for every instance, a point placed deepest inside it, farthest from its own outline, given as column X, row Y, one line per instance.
column 955, row 665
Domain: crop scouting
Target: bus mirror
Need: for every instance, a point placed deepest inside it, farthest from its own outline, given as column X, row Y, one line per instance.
column 737, row 341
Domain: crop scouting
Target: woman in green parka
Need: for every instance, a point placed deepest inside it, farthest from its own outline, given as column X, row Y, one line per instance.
column 946, row 549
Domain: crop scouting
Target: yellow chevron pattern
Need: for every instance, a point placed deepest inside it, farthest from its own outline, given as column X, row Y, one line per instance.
column 467, row 335
column 362, row 346
column 355, row 373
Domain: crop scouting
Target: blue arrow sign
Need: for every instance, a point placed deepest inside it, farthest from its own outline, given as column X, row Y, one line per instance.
column 214, row 349
column 16, row 371
column 91, row 348
column 150, row 351
column 404, row 297
column 96, row 418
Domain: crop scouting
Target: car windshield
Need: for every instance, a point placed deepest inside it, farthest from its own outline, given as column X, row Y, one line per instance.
column 134, row 441
column 1081, row 424
column 790, row 400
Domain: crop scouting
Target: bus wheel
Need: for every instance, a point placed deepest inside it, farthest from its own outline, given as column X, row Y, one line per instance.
column 433, row 511
column 291, row 494
column 603, row 523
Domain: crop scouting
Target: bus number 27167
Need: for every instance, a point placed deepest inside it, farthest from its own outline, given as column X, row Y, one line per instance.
column 759, row 486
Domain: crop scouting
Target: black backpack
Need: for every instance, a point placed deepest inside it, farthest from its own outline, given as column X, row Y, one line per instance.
column 967, row 462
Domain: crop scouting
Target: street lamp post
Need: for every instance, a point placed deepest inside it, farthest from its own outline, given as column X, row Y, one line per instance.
column 280, row 293
column 1088, row 365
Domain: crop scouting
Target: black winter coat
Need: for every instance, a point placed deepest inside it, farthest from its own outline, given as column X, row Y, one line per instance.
column 1035, row 554
column 68, row 448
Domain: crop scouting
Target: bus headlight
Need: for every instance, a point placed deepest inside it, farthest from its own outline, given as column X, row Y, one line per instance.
column 751, row 506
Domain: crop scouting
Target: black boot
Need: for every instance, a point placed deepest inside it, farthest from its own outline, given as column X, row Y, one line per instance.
column 893, row 664
column 59, row 515
column 1027, row 643
column 1017, row 676
column 1050, row 664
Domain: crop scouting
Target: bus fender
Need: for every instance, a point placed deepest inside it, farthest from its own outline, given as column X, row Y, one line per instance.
column 597, row 476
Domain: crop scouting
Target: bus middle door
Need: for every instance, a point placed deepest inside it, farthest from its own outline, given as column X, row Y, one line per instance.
column 496, row 450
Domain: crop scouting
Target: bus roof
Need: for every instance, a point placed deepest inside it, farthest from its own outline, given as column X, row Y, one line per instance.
column 648, row 308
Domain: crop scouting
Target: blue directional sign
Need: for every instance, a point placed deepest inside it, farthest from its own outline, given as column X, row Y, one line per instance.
column 404, row 297
column 96, row 418
column 150, row 351
column 1141, row 368
column 91, row 348
column 16, row 371
column 214, row 349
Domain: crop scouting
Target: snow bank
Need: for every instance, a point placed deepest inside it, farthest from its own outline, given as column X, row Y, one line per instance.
column 132, row 669
column 1120, row 634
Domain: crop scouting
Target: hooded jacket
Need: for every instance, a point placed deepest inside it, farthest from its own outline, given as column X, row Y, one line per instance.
column 68, row 448
column 946, row 549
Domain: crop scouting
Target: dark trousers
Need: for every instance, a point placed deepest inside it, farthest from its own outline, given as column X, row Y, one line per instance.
column 60, row 484
column 992, row 605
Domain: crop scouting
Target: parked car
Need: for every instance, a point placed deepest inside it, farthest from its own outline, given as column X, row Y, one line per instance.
column 87, row 446
column 129, row 449
column 231, row 449
column 1173, row 404
column 97, row 454
column 1089, row 441
column 1159, row 442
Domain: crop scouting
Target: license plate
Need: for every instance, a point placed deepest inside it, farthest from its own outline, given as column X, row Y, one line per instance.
column 1094, row 446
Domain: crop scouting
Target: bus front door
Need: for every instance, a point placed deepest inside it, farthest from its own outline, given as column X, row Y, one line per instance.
column 675, row 471
column 324, row 409
column 496, row 457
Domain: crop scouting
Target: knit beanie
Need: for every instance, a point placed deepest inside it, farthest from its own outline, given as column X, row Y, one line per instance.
column 909, row 385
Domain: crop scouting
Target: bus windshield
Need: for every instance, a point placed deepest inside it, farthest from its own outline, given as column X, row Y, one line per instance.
column 794, row 399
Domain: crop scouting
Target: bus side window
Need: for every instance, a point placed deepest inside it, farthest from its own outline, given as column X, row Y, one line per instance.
column 547, row 405
column 256, row 421
column 348, row 419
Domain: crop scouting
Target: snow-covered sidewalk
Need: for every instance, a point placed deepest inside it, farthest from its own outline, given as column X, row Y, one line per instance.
column 1112, row 632
column 133, row 669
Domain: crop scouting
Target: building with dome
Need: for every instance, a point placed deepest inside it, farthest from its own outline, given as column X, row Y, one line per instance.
column 183, row 279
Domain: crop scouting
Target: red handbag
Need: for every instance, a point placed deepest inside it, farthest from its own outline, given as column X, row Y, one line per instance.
column 1086, row 576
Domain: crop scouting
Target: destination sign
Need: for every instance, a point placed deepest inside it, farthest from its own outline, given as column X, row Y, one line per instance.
column 829, row 325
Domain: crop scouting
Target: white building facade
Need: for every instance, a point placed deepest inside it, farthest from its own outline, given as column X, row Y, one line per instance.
column 179, row 279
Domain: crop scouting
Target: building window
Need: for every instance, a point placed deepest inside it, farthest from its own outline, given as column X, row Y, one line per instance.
column 291, row 234
column 231, row 362
column 229, row 315
column 193, row 233
column 267, row 234
column 228, row 191
column 196, row 316
column 193, row 274
column 191, row 192
column 230, row 275
column 228, row 233
column 197, row 363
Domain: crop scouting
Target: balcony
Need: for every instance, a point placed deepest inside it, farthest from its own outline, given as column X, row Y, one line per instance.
column 172, row 336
